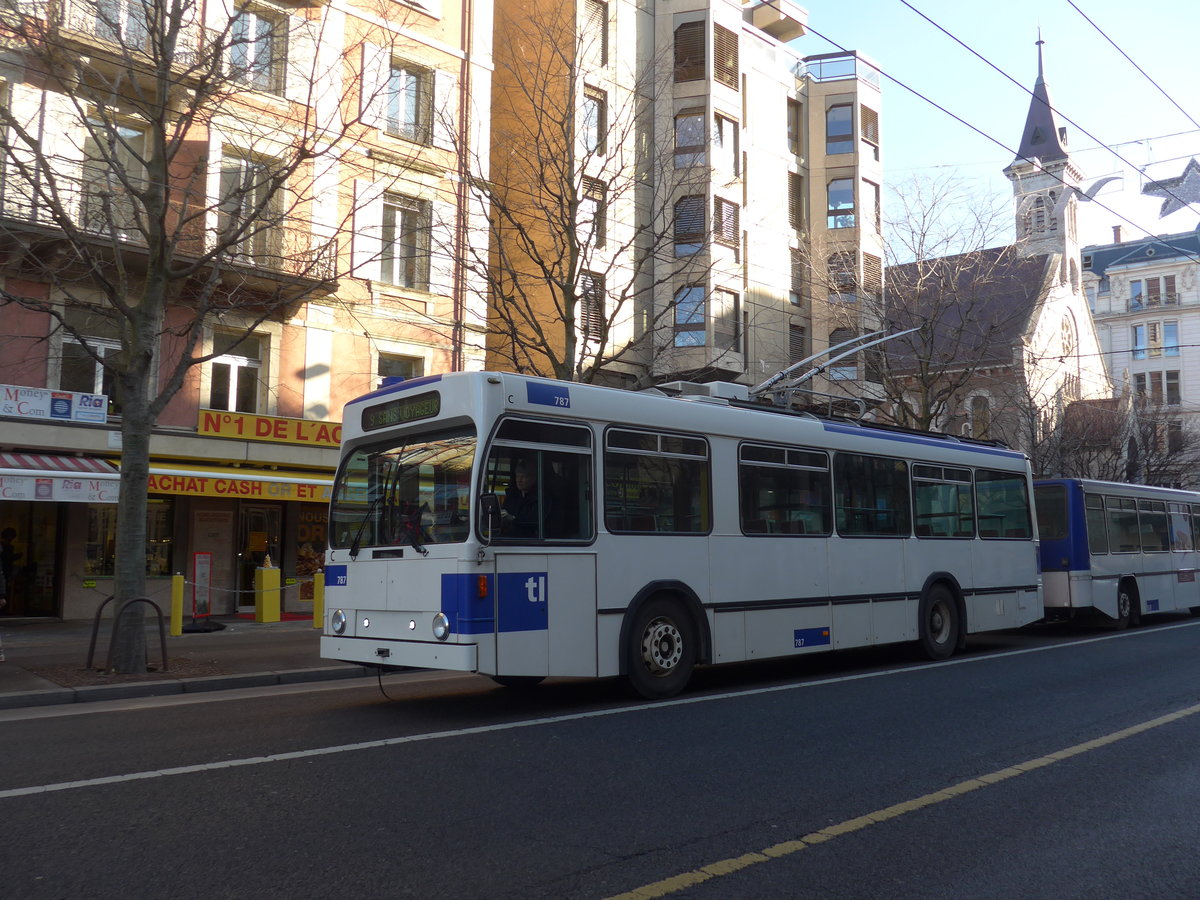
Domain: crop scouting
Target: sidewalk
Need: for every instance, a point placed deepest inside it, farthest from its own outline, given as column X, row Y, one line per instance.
column 46, row 661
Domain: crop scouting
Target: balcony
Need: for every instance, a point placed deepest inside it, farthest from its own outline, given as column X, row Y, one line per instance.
column 781, row 19
column 838, row 67
column 284, row 253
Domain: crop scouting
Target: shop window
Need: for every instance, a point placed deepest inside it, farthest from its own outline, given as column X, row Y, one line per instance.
column 100, row 546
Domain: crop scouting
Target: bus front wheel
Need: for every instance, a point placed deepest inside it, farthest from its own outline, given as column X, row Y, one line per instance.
column 938, row 623
column 662, row 649
column 1124, row 607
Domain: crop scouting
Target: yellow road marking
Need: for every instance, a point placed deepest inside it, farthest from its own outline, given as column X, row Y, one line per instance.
column 685, row 880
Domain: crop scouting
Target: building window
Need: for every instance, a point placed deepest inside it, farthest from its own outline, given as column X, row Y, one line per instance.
column 408, row 103
column 725, row 222
column 393, row 365
column 258, row 50
column 981, row 417
column 1152, row 292
column 1172, row 388
column 593, row 213
column 108, row 175
column 839, row 129
column 725, row 57
column 876, row 204
column 797, row 344
column 841, row 203
column 689, row 225
column 869, row 129
column 795, row 127
column 843, row 275
column 689, row 52
column 690, row 315
column 404, row 251
column 725, row 145
column 236, row 371
column 591, row 304
column 844, row 369
column 83, row 368
column 120, row 21
column 1170, row 338
column 595, row 121
column 1139, row 341
column 727, row 318
column 796, row 201
column 689, row 139
column 796, row 286
column 248, row 216
column 596, row 29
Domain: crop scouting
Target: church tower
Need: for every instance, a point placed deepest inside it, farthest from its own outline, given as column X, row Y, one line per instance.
column 1045, row 180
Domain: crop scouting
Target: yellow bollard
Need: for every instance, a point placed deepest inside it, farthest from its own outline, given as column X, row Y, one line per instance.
column 318, row 599
column 266, row 594
column 176, row 605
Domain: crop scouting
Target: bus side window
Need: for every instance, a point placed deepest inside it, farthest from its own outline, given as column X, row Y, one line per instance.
column 1097, row 529
column 1181, row 528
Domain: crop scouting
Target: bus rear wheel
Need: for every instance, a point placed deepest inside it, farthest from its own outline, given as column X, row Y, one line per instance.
column 938, row 623
column 661, row 651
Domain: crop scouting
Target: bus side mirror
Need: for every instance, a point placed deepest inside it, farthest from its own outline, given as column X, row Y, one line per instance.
column 489, row 514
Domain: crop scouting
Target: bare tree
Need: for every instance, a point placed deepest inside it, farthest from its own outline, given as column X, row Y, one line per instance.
column 584, row 221
column 151, row 191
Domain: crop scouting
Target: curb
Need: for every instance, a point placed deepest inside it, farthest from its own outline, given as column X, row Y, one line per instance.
column 97, row 692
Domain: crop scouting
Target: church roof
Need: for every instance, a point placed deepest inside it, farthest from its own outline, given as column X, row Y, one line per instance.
column 977, row 304
column 1042, row 138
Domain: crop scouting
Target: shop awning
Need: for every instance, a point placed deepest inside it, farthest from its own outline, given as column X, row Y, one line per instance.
column 239, row 482
column 50, row 478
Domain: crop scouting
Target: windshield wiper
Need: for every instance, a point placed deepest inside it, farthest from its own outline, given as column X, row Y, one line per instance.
column 412, row 529
column 356, row 544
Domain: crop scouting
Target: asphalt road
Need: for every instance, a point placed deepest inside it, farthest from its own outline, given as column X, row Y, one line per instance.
column 1051, row 762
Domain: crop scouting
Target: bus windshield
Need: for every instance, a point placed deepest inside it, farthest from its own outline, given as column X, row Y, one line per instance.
column 404, row 493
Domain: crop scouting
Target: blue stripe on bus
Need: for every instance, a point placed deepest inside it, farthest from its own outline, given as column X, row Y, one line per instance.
column 520, row 598
column 947, row 443
column 405, row 385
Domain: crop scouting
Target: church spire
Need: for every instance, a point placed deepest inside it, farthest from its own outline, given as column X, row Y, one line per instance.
column 1042, row 138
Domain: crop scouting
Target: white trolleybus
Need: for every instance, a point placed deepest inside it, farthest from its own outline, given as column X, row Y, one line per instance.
column 521, row 528
column 1120, row 550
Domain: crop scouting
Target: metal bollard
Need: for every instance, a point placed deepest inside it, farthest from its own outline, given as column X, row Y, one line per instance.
column 318, row 599
column 176, row 605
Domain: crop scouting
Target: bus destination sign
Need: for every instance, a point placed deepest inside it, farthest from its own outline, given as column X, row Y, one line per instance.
column 401, row 410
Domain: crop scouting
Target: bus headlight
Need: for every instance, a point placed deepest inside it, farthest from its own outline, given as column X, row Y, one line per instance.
column 337, row 622
column 441, row 627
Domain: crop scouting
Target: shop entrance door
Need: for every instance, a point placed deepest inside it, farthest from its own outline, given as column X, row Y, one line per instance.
column 258, row 537
column 212, row 532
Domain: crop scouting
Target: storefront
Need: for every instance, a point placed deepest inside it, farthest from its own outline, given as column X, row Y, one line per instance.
column 43, row 499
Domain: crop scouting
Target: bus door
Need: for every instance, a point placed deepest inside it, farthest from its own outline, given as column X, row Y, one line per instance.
column 545, row 613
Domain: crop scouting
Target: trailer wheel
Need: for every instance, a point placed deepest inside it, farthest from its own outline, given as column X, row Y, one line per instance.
column 662, row 649
column 1125, row 595
column 938, row 623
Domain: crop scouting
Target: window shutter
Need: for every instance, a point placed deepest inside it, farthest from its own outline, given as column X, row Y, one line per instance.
column 796, row 201
column 445, row 109
column 300, row 85
column 689, row 51
column 592, row 304
column 596, row 27
column 689, row 218
column 376, row 61
column 727, row 222
column 368, row 222
column 869, row 123
column 725, row 57
column 796, row 343
column 441, row 249
column 872, row 274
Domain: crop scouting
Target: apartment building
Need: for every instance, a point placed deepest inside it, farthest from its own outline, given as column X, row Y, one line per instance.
column 712, row 210
column 314, row 157
column 1146, row 303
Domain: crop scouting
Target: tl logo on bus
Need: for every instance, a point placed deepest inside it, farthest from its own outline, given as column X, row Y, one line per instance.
column 523, row 601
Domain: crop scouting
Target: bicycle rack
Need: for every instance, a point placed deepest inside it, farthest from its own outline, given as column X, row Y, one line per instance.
column 162, row 633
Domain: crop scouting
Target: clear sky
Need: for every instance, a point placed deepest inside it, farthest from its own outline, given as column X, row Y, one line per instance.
column 1109, row 101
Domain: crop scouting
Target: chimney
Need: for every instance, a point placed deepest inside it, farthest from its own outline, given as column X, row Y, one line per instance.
column 1116, row 234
